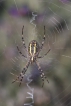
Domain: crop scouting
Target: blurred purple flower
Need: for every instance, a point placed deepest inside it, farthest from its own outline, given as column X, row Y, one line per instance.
column 23, row 11
column 13, row 11
column 64, row 0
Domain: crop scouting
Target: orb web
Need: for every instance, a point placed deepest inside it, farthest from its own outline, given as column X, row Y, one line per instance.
column 55, row 15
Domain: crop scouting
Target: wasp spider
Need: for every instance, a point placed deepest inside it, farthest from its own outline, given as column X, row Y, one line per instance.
column 33, row 52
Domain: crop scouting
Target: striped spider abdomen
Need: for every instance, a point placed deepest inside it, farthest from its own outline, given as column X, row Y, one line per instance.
column 33, row 50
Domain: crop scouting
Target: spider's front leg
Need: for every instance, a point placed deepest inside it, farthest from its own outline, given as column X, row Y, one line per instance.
column 43, row 40
column 20, row 77
column 23, row 39
column 42, row 46
column 42, row 73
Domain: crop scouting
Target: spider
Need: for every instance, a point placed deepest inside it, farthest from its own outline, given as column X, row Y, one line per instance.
column 33, row 53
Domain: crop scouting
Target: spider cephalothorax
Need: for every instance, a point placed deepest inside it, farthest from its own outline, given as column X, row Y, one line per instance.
column 33, row 52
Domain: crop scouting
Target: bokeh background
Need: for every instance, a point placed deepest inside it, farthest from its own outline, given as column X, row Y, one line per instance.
column 56, row 16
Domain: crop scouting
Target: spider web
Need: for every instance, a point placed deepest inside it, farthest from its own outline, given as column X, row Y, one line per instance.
column 59, row 96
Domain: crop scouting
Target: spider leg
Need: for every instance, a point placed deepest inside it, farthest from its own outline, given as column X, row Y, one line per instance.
column 14, row 75
column 43, row 39
column 23, row 38
column 42, row 74
column 20, row 52
column 22, row 73
column 45, row 54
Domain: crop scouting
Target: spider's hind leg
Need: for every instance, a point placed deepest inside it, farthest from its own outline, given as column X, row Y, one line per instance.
column 20, row 77
column 42, row 74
